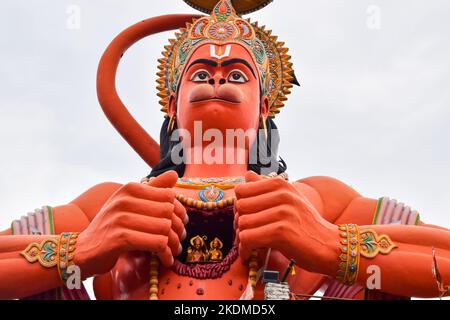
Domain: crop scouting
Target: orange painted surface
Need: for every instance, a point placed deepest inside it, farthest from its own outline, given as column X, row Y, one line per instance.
column 119, row 223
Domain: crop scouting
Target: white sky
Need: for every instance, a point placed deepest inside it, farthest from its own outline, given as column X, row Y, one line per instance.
column 373, row 109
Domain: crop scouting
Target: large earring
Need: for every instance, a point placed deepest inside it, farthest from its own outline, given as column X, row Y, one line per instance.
column 263, row 124
column 171, row 125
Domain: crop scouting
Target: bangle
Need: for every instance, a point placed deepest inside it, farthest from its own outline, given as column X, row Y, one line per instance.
column 355, row 243
column 349, row 255
column 66, row 248
column 52, row 252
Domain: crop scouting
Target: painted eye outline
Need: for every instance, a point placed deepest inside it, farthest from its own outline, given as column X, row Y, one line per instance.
column 196, row 73
column 241, row 73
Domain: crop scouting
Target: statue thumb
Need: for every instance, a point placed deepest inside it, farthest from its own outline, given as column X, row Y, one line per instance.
column 166, row 180
column 251, row 176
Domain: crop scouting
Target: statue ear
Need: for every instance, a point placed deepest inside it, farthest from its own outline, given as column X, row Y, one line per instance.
column 265, row 106
column 172, row 108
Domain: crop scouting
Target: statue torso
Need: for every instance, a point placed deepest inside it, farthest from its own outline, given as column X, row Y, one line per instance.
column 131, row 275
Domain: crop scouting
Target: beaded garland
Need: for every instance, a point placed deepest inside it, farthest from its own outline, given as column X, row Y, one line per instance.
column 154, row 281
column 253, row 268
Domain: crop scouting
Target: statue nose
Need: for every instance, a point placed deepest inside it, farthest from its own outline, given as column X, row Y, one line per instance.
column 213, row 82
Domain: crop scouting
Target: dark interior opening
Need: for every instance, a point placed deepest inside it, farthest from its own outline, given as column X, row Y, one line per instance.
column 209, row 225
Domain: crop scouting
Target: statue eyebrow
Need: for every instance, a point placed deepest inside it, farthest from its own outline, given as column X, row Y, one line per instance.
column 237, row 60
column 211, row 63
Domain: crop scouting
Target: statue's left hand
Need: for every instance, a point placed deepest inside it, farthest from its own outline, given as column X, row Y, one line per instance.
column 272, row 213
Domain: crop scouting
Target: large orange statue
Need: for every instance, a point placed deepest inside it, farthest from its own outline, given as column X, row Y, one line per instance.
column 217, row 209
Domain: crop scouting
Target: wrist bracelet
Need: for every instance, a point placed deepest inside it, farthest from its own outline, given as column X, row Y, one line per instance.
column 67, row 244
column 350, row 254
column 52, row 252
column 355, row 243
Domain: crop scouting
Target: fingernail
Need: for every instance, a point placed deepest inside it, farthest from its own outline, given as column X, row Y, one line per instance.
column 180, row 249
column 183, row 236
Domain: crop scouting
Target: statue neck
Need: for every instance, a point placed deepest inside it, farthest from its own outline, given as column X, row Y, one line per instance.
column 227, row 163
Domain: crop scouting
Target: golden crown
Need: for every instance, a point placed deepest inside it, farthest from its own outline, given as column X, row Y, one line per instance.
column 224, row 26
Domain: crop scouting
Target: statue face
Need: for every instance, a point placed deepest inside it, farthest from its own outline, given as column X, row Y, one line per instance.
column 219, row 87
column 197, row 244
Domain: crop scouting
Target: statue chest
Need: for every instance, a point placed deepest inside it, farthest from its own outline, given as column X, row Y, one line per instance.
column 208, row 267
column 131, row 280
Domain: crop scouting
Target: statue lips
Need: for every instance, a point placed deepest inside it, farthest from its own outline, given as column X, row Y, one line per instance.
column 227, row 93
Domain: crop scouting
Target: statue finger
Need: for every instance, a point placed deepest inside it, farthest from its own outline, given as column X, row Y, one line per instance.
column 261, row 202
column 264, row 217
column 144, row 191
column 150, row 225
column 251, row 189
column 174, row 243
column 178, row 227
column 180, row 211
column 166, row 180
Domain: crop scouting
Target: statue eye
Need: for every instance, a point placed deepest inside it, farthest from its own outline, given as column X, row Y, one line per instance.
column 200, row 76
column 237, row 76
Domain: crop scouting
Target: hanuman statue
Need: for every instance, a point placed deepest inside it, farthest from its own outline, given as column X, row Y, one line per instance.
column 228, row 75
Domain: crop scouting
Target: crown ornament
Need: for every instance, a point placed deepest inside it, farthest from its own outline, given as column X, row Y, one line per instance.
column 241, row 6
column 226, row 26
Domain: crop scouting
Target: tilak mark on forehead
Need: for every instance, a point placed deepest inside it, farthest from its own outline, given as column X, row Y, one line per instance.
column 220, row 55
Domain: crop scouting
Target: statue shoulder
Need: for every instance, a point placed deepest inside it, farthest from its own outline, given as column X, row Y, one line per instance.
column 329, row 195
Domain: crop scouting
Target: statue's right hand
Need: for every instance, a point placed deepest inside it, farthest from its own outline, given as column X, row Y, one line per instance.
column 143, row 217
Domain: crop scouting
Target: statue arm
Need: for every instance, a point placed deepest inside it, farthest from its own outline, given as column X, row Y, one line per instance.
column 73, row 217
column 406, row 270
column 353, row 207
column 18, row 277
column 272, row 213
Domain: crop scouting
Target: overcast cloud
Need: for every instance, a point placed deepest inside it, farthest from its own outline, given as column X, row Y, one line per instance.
column 373, row 109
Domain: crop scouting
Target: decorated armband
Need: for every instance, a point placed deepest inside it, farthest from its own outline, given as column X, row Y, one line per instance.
column 53, row 252
column 356, row 243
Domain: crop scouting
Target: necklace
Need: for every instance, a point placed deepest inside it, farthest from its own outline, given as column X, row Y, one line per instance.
column 223, row 183
column 212, row 190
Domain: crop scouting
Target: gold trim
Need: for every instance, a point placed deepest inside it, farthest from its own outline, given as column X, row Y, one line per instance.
column 241, row 6
column 45, row 253
column 372, row 244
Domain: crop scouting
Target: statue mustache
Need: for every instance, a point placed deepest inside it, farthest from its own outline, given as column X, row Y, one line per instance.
column 227, row 92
